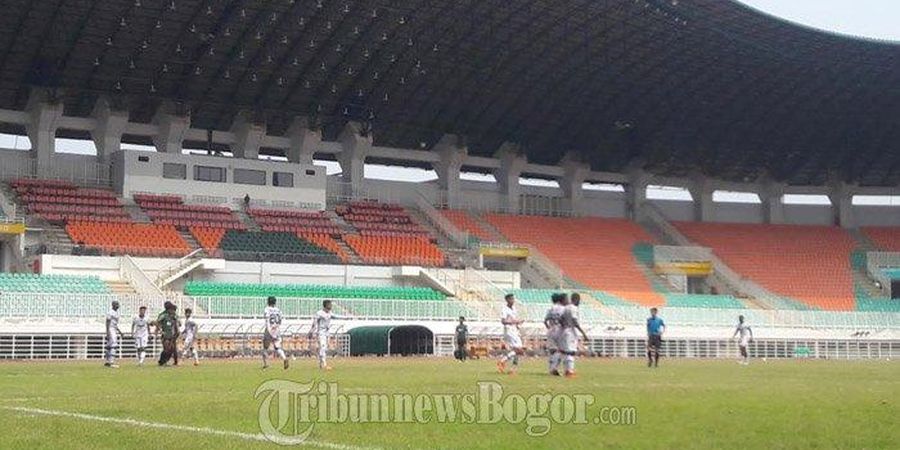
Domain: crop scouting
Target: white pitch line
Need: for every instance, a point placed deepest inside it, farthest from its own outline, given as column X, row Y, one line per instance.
column 172, row 427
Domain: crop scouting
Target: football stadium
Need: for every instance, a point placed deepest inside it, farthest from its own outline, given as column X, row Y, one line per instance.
column 370, row 224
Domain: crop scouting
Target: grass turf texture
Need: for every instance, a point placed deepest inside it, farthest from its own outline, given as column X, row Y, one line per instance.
column 683, row 404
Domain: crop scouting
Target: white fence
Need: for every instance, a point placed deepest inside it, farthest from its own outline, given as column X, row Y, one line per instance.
column 85, row 305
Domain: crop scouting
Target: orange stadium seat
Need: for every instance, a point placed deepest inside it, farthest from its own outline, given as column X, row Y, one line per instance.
column 594, row 251
column 886, row 238
column 327, row 242
column 171, row 210
column 129, row 238
column 465, row 222
column 806, row 263
column 412, row 250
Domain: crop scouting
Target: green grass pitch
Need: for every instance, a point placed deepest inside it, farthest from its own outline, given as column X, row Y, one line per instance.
column 683, row 404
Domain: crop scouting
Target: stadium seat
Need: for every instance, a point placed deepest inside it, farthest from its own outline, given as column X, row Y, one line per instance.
column 51, row 284
column 222, row 289
column 59, row 202
column 386, row 250
column 296, row 221
column 133, row 239
column 810, row 264
column 886, row 238
column 593, row 251
column 272, row 247
column 171, row 210
column 380, row 219
column 465, row 222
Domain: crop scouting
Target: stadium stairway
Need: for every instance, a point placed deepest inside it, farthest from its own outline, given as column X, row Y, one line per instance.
column 246, row 220
column 120, row 287
column 492, row 232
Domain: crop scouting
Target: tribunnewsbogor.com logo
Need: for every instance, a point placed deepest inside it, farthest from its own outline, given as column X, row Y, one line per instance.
column 289, row 411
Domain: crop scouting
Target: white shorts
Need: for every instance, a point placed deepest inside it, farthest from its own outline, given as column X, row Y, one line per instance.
column 112, row 340
column 553, row 339
column 141, row 341
column 512, row 339
column 744, row 342
column 274, row 341
column 188, row 341
column 568, row 341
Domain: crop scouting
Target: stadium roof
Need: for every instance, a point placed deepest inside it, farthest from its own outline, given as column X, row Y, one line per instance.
column 673, row 85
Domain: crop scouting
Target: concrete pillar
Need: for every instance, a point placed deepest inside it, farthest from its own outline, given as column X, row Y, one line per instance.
column 305, row 141
column 453, row 153
column 701, row 190
column 575, row 174
column 636, row 193
column 172, row 128
column 247, row 136
column 107, row 135
column 43, row 121
column 512, row 162
column 841, row 196
column 771, row 194
column 354, row 148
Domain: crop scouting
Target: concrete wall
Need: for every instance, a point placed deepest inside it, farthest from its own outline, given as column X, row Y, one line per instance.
column 135, row 171
column 808, row 215
column 107, row 268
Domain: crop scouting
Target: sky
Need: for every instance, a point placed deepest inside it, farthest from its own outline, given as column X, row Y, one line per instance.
column 878, row 19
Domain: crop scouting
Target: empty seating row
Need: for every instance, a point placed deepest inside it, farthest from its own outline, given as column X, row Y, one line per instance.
column 294, row 221
column 380, row 219
column 63, row 202
column 274, row 247
column 51, row 284
column 811, row 264
column 129, row 238
column 465, row 222
column 396, row 250
column 68, row 199
column 594, row 251
column 703, row 301
column 171, row 210
column 213, row 289
column 886, row 238
column 327, row 242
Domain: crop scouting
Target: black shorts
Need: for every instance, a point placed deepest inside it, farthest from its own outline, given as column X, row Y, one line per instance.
column 654, row 340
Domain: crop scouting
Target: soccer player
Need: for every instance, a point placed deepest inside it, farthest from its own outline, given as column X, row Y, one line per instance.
column 140, row 332
column 554, row 329
column 322, row 326
column 510, row 320
column 462, row 338
column 655, row 329
column 190, row 335
column 272, row 335
column 112, row 335
column 167, row 325
column 569, row 323
column 746, row 337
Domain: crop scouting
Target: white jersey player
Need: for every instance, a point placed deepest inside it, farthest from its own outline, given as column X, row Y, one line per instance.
column 140, row 332
column 112, row 335
column 552, row 320
column 190, row 336
column 510, row 319
column 272, row 334
column 569, row 339
column 321, row 327
column 745, row 335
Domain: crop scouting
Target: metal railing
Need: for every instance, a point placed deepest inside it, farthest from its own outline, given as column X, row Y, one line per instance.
column 136, row 277
column 720, row 270
column 441, row 223
column 666, row 254
column 31, row 305
column 164, row 274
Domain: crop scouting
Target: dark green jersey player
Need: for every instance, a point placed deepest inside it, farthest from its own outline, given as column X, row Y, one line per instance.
column 167, row 324
column 462, row 338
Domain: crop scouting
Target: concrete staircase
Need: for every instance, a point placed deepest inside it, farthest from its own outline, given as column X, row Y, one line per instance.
column 189, row 238
column 492, row 231
column 246, row 220
column 353, row 257
column 120, row 287
column 345, row 227
column 137, row 214
column 863, row 241
column 58, row 241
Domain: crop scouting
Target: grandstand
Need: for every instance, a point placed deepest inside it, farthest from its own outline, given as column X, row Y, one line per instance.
column 221, row 170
